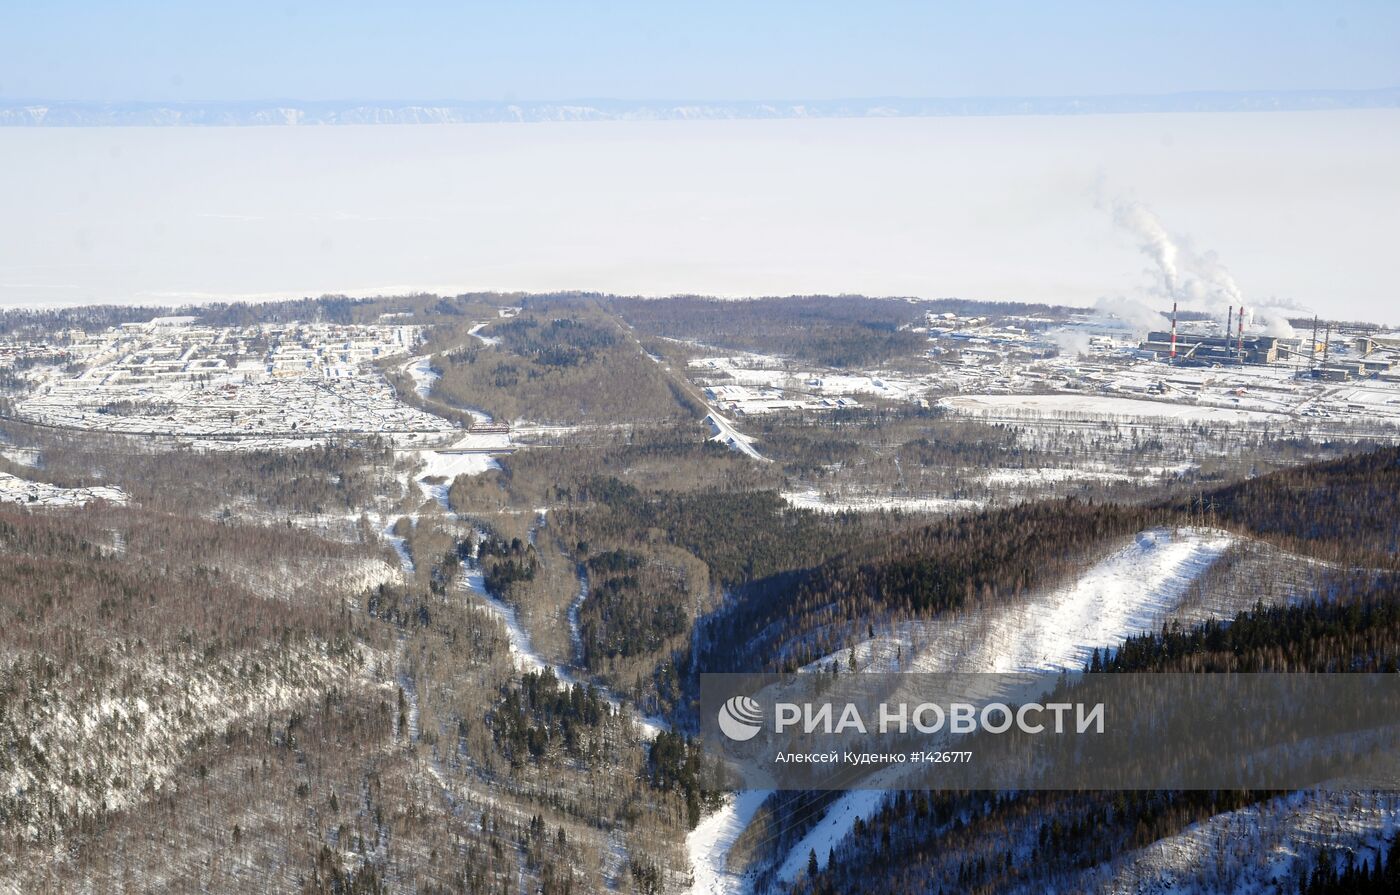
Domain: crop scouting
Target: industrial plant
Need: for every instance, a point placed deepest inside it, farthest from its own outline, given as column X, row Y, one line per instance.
column 1312, row 356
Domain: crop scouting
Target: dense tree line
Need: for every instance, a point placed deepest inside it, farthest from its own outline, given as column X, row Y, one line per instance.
column 1378, row 877
column 505, row 562
column 1344, row 508
column 675, row 763
column 634, row 606
column 541, row 714
column 1317, row 637
column 836, row 331
column 984, row 842
column 740, row 535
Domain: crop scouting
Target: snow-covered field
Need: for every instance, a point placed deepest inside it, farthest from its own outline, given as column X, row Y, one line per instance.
column 441, row 467
column 1049, row 475
column 746, row 384
column 1101, row 406
column 812, row 499
column 41, row 494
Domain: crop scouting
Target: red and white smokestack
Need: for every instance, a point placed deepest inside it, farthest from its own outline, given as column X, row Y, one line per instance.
column 1173, row 355
column 1240, row 345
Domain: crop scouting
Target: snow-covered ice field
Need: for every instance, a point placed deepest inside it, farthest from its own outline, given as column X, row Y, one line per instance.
column 859, row 206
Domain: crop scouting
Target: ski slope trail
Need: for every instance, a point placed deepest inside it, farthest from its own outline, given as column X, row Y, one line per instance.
column 709, row 844
column 1131, row 590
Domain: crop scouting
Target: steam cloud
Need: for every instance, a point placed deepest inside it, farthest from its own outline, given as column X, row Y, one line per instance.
column 1193, row 279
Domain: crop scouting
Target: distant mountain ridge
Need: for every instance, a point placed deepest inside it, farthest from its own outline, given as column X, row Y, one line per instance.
column 37, row 113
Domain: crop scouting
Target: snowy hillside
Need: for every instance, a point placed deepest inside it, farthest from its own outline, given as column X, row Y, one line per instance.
column 1131, row 590
column 1127, row 592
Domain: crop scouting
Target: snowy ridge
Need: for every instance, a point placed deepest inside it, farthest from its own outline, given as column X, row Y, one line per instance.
column 14, row 489
column 1254, row 850
column 109, row 753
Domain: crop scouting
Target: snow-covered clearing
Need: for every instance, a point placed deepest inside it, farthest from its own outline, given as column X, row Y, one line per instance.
column 1097, row 406
column 1049, row 475
column 443, row 467
column 424, row 376
column 14, row 489
column 487, row 340
column 723, row 431
column 23, row 456
column 709, row 844
column 816, row 500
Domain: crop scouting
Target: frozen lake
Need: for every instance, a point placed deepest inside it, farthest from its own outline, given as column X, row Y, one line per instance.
column 1301, row 207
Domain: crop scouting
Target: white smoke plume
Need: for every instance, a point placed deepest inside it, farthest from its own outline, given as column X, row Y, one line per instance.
column 1069, row 341
column 1194, row 279
column 1131, row 311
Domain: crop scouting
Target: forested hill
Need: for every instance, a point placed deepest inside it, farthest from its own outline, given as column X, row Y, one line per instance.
column 1346, row 509
column 1343, row 509
column 1017, row 842
column 788, row 620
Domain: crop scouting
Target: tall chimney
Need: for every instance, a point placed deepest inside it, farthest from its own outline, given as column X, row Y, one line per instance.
column 1326, row 342
column 1312, row 346
column 1229, row 321
column 1173, row 354
column 1240, row 345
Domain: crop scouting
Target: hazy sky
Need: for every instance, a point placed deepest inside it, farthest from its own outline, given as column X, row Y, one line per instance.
column 168, row 51
column 1301, row 208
